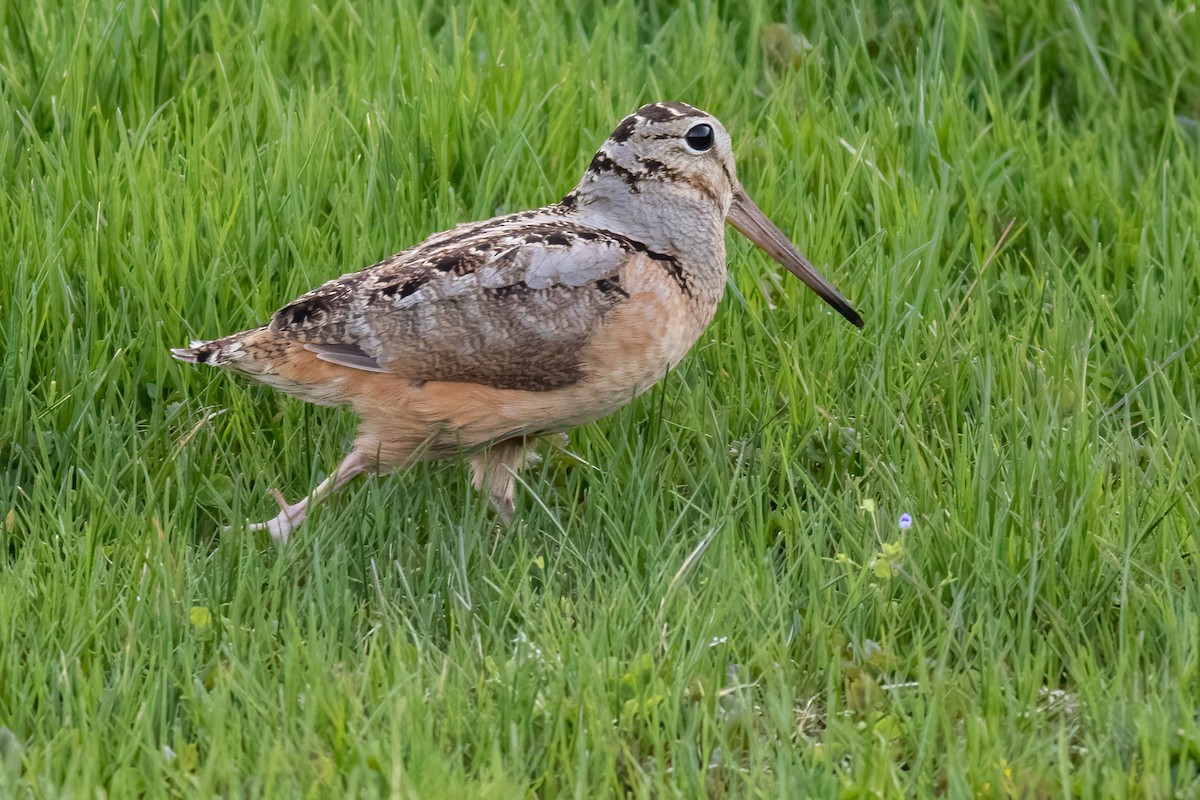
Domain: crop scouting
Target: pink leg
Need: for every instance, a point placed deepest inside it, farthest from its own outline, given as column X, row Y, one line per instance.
column 291, row 515
column 494, row 471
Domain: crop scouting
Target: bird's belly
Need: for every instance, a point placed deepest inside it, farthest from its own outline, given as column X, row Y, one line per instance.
column 614, row 378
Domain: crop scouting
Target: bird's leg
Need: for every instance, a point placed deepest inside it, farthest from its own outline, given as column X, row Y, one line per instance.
column 292, row 514
column 494, row 471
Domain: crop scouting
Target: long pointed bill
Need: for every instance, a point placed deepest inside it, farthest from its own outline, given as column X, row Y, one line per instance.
column 754, row 225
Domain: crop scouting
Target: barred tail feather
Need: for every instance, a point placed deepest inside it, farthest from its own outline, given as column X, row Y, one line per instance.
column 266, row 357
column 188, row 354
column 217, row 352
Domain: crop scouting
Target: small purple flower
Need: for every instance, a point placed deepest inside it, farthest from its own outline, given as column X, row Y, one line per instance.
column 905, row 521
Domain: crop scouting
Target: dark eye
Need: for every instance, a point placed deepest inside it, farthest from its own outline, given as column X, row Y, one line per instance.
column 700, row 138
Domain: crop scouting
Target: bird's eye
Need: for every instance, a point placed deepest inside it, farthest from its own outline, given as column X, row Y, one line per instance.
column 700, row 138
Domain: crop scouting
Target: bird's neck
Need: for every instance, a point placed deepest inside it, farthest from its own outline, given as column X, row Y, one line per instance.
column 684, row 225
column 680, row 221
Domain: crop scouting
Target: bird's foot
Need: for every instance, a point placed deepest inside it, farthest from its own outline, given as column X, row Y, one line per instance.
column 504, row 505
column 494, row 472
column 280, row 527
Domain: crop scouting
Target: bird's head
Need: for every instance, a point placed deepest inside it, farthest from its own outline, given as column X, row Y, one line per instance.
column 672, row 160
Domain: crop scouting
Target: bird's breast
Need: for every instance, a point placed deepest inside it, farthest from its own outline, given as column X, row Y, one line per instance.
column 668, row 308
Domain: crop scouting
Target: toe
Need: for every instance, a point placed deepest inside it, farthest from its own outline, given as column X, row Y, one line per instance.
column 280, row 529
column 277, row 496
column 505, row 508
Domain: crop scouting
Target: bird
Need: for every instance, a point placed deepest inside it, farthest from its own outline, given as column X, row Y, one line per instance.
column 483, row 338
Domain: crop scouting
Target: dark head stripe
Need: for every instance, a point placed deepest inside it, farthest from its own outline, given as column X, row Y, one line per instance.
column 653, row 113
column 624, row 130
column 665, row 112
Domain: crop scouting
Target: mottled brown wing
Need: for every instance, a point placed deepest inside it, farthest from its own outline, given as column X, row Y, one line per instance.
column 509, row 306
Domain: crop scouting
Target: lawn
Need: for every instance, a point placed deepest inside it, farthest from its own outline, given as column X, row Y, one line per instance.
column 706, row 592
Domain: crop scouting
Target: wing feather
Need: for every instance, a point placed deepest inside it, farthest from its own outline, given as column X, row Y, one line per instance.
column 510, row 304
column 347, row 355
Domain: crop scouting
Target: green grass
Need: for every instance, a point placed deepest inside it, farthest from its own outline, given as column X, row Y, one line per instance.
column 712, row 594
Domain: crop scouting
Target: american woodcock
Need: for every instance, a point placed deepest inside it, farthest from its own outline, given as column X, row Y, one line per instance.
column 481, row 337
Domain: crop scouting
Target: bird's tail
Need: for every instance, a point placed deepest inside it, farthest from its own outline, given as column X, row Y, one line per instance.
column 267, row 357
column 221, row 352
